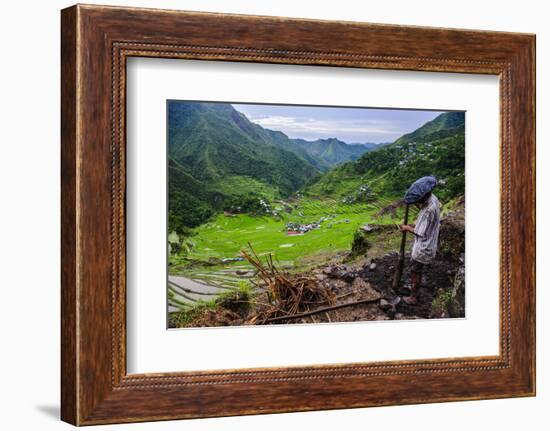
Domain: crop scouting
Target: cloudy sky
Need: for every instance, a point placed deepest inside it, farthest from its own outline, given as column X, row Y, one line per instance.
column 347, row 124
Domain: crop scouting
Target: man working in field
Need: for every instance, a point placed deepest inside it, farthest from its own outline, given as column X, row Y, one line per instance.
column 425, row 231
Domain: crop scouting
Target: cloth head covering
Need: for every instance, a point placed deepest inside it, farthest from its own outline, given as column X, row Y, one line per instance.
column 419, row 189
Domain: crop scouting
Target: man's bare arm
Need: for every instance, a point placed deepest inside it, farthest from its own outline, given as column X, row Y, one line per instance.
column 408, row 228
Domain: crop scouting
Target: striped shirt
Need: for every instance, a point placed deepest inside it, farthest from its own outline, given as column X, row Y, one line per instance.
column 426, row 231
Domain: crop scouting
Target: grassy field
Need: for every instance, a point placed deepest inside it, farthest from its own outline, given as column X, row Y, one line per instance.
column 225, row 236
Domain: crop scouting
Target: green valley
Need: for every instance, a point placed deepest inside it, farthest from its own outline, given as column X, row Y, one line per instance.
column 234, row 184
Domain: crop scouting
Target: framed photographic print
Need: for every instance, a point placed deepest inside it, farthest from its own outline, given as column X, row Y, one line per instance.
column 264, row 228
column 321, row 214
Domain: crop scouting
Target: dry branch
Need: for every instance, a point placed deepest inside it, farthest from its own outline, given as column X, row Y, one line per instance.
column 288, row 294
column 319, row 310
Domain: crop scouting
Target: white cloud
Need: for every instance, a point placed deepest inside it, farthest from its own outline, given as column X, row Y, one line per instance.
column 303, row 126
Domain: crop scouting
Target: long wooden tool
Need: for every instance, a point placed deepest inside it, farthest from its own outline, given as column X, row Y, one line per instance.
column 317, row 311
column 399, row 269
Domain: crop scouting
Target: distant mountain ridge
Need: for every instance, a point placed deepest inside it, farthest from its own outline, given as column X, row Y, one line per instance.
column 334, row 151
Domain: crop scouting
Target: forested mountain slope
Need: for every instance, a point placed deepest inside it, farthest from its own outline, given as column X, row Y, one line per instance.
column 436, row 148
column 219, row 160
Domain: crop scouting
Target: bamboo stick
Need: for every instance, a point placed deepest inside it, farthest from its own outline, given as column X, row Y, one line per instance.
column 400, row 263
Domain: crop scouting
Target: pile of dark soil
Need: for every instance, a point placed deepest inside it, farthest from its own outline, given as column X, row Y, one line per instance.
column 437, row 275
column 452, row 237
column 218, row 317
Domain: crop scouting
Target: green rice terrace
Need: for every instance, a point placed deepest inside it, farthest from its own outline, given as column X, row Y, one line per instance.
column 214, row 257
column 249, row 206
